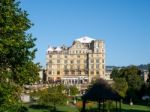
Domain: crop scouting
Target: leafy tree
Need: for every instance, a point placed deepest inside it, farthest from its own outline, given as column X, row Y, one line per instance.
column 148, row 80
column 135, row 83
column 52, row 96
column 73, row 90
column 134, row 80
column 114, row 73
column 17, row 54
column 131, row 75
column 121, row 86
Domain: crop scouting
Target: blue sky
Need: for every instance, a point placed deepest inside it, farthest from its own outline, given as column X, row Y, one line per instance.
column 124, row 25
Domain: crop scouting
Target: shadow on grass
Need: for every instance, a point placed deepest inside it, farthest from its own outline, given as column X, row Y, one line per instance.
column 44, row 108
column 35, row 106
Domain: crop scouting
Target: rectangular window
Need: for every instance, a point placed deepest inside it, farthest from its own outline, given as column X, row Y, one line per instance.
column 103, row 60
column 103, row 66
column 79, row 46
column 50, row 72
column 97, row 60
column 79, row 72
column 65, row 56
column 50, row 61
column 71, row 61
column 78, row 67
column 65, row 61
column 97, row 66
column 65, row 67
column 58, row 72
column 97, row 50
column 85, row 61
column 65, row 52
column 58, row 56
column 58, row 61
column 75, row 67
column 71, row 67
column 92, row 66
column 92, row 72
column 91, row 61
column 50, row 66
column 97, row 72
column 78, row 61
column 66, row 72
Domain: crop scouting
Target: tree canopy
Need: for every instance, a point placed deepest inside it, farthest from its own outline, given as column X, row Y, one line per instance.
column 73, row 90
column 52, row 96
column 121, row 86
column 148, row 80
column 131, row 75
column 17, row 49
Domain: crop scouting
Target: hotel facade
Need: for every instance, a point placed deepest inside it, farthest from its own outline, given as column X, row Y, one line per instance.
column 80, row 63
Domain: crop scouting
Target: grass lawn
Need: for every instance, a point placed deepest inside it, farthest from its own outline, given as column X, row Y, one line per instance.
column 125, row 108
column 135, row 108
column 61, row 108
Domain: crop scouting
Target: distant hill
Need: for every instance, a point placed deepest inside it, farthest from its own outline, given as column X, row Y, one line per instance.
column 141, row 67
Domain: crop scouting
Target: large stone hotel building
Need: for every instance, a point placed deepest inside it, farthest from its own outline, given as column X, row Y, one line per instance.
column 80, row 63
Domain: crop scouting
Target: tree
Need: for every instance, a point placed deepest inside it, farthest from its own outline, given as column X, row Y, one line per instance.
column 73, row 90
column 121, row 86
column 52, row 96
column 135, row 83
column 134, row 80
column 148, row 80
column 114, row 73
column 17, row 54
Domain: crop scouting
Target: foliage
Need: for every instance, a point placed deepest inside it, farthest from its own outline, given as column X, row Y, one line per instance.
column 52, row 96
column 73, row 90
column 114, row 73
column 121, row 86
column 148, row 80
column 135, row 82
column 17, row 53
column 132, row 75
